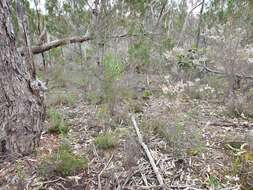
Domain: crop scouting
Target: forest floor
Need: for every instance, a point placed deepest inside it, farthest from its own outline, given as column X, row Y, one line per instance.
column 194, row 145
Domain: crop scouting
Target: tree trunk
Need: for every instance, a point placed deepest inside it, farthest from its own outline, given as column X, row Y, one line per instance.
column 200, row 23
column 21, row 109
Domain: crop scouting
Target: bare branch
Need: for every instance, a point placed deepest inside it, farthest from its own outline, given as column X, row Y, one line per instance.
column 151, row 159
column 75, row 39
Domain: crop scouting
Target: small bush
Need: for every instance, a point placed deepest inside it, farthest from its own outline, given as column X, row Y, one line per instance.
column 106, row 141
column 139, row 53
column 57, row 122
column 155, row 126
column 63, row 162
column 113, row 68
column 70, row 98
column 146, row 94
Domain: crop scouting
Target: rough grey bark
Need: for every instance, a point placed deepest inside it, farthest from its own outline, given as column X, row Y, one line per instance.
column 21, row 109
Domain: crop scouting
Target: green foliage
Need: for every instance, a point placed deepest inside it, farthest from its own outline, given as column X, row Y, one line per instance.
column 213, row 182
column 184, row 62
column 113, row 67
column 106, row 141
column 139, row 52
column 63, row 162
column 146, row 94
column 155, row 126
column 19, row 168
column 57, row 122
column 70, row 99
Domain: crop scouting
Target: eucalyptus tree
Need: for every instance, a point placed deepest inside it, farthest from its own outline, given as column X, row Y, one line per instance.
column 21, row 107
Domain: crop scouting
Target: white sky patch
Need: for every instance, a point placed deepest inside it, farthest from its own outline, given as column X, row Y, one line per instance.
column 41, row 4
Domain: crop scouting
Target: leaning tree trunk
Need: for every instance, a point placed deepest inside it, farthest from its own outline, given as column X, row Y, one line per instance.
column 21, row 109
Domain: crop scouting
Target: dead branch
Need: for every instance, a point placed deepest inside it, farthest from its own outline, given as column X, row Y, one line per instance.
column 230, row 124
column 75, row 39
column 145, row 147
column 61, row 42
column 224, row 74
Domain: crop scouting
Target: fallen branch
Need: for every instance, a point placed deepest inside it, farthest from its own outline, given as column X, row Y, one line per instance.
column 224, row 74
column 56, row 43
column 75, row 39
column 230, row 124
column 145, row 147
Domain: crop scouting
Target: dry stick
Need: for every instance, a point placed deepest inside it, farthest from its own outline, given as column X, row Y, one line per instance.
column 145, row 147
column 224, row 74
column 99, row 179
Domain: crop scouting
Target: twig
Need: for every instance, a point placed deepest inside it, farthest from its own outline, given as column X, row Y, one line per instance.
column 145, row 147
column 99, row 179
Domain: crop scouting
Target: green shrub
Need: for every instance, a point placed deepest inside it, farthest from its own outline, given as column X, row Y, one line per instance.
column 70, row 99
column 155, row 126
column 63, row 162
column 113, row 67
column 178, row 137
column 57, row 123
column 146, row 94
column 139, row 53
column 106, row 141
